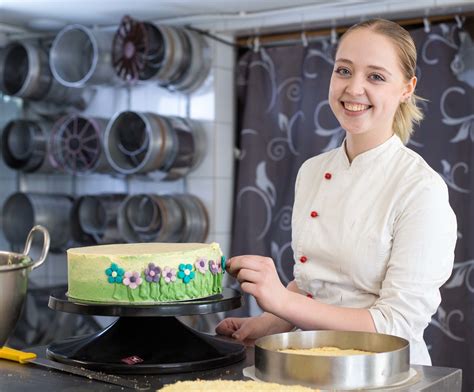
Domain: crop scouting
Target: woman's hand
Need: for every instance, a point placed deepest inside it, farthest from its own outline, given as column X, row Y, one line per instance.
column 258, row 277
column 245, row 329
column 248, row 329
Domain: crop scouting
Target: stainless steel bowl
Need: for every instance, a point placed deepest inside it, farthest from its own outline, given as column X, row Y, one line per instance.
column 390, row 364
column 14, row 270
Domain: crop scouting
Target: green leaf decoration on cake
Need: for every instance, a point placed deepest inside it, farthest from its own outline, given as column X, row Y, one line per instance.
column 186, row 272
column 114, row 273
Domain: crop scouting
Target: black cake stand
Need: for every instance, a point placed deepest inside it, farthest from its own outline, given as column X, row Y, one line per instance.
column 147, row 339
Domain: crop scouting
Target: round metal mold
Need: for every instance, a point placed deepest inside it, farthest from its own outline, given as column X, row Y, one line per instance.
column 196, row 220
column 155, row 56
column 189, row 147
column 177, row 58
column 94, row 219
column 163, row 218
column 22, row 211
column 129, row 49
column 174, row 54
column 137, row 142
column 199, row 66
column 77, row 145
column 80, row 56
column 25, row 73
column 151, row 218
column 25, row 145
column 389, row 364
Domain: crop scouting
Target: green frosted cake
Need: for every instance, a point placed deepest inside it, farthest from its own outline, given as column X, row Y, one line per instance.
column 145, row 273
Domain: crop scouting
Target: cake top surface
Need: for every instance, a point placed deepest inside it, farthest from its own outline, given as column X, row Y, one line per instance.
column 140, row 248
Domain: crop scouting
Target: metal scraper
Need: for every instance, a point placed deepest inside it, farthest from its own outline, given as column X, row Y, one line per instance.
column 24, row 358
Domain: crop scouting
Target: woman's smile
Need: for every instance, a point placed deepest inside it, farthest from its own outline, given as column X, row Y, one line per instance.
column 355, row 109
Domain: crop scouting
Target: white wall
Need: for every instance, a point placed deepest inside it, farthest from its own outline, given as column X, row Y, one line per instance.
column 212, row 181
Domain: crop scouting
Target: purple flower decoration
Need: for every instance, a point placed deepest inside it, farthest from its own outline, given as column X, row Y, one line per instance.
column 169, row 274
column 132, row 279
column 215, row 267
column 152, row 273
column 201, row 265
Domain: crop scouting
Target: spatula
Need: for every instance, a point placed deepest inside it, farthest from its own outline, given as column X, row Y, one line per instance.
column 25, row 357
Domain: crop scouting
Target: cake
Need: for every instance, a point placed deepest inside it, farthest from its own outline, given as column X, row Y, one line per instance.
column 235, row 386
column 145, row 273
column 326, row 351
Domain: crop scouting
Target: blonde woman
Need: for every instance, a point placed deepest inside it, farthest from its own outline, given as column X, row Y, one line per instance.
column 373, row 233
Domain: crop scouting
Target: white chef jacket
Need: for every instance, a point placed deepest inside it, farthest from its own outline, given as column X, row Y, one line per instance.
column 377, row 233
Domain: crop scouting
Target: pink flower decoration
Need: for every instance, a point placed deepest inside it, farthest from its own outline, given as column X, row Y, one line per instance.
column 215, row 267
column 132, row 279
column 169, row 274
column 201, row 265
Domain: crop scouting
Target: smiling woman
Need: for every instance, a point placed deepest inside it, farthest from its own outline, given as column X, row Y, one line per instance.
column 373, row 234
column 372, row 87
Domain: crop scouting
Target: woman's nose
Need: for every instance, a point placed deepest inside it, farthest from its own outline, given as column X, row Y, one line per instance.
column 355, row 86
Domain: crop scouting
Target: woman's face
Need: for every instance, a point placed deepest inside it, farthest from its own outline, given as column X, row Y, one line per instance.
column 367, row 84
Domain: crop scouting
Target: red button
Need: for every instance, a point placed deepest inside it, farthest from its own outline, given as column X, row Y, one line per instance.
column 314, row 214
column 328, row 176
column 309, row 295
column 303, row 259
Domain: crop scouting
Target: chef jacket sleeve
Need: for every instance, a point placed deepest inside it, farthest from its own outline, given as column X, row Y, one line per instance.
column 421, row 260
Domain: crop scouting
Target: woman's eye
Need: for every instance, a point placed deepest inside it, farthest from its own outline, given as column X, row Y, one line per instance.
column 377, row 77
column 342, row 71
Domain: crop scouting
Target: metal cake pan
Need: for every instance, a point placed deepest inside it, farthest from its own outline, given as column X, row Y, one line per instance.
column 389, row 365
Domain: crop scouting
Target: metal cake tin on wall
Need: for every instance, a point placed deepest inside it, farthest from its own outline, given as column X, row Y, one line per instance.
column 141, row 142
column 81, row 57
column 21, row 211
column 25, row 73
column 25, row 145
column 389, row 364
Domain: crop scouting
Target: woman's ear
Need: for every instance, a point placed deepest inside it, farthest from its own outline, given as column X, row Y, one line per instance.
column 409, row 89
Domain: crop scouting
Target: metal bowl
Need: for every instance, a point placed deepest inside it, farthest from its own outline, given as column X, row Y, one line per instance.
column 389, row 364
column 14, row 270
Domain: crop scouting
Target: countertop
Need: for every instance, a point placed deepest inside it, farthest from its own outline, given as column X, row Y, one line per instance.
column 15, row 377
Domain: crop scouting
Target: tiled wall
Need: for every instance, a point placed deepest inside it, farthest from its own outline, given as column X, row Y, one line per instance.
column 212, row 105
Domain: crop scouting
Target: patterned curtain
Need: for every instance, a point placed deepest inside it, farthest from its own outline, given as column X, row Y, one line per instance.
column 284, row 118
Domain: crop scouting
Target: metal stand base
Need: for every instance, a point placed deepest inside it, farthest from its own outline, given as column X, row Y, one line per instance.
column 148, row 339
column 158, row 345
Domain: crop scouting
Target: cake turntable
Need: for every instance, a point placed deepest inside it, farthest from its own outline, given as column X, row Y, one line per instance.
column 147, row 339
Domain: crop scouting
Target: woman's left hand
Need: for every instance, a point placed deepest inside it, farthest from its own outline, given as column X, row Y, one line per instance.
column 258, row 277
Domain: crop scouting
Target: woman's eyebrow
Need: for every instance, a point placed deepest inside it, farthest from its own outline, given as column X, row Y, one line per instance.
column 377, row 67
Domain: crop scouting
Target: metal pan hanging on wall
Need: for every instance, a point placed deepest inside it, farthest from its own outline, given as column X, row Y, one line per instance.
column 22, row 211
column 94, row 219
column 198, row 67
column 76, row 145
column 177, row 58
column 163, row 218
column 139, row 142
column 25, row 73
column 80, row 57
column 25, row 145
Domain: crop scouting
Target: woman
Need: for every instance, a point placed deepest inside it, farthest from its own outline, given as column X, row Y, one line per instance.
column 372, row 231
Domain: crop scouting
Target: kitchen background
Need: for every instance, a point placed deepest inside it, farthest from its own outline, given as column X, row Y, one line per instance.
column 250, row 90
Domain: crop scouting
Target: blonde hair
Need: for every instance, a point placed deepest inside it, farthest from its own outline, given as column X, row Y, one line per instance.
column 408, row 113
